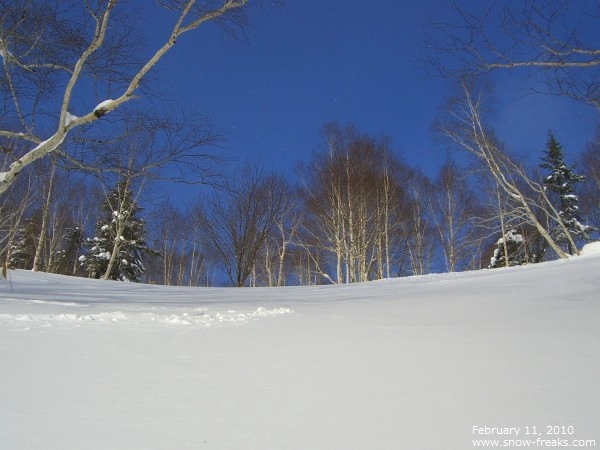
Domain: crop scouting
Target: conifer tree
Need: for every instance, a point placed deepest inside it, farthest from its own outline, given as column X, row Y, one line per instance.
column 66, row 259
column 21, row 256
column 22, row 249
column 510, row 251
column 561, row 183
column 116, row 250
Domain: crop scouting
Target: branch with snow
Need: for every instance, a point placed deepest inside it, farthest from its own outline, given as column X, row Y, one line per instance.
column 102, row 108
column 68, row 121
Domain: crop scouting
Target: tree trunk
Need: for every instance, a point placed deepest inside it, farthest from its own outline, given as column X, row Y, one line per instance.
column 45, row 212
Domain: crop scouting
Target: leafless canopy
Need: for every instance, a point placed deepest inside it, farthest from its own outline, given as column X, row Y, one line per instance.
column 54, row 52
column 556, row 39
column 239, row 220
column 467, row 128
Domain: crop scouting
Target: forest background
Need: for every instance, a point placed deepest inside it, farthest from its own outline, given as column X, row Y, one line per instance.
column 156, row 193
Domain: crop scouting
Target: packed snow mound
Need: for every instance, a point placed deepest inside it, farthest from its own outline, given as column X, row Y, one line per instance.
column 200, row 317
column 35, row 299
column 593, row 248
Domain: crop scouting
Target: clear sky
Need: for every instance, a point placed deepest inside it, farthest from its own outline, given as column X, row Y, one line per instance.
column 314, row 61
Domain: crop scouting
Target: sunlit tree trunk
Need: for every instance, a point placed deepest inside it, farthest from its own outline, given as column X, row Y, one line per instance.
column 469, row 132
column 37, row 260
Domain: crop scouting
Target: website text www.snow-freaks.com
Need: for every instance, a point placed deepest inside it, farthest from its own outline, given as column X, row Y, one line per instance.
column 551, row 436
column 539, row 442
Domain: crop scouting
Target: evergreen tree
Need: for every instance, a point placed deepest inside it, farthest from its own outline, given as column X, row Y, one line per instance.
column 22, row 249
column 66, row 259
column 120, row 232
column 20, row 252
column 561, row 182
column 511, row 249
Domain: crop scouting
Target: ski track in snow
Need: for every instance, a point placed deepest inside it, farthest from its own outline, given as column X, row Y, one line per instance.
column 198, row 317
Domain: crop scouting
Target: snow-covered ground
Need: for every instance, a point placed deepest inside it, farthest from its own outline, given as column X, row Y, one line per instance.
column 415, row 363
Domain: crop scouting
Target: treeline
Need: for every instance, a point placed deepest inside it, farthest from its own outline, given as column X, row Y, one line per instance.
column 355, row 212
column 79, row 169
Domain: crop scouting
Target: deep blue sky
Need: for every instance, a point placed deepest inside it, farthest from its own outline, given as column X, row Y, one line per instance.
column 315, row 61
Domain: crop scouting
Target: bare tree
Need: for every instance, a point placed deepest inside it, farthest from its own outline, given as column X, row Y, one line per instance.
column 56, row 49
column 590, row 164
column 454, row 207
column 468, row 131
column 555, row 39
column 498, row 213
column 45, row 216
column 145, row 144
column 351, row 199
column 82, row 205
column 169, row 231
column 323, row 225
column 49, row 183
column 418, row 230
column 13, row 209
column 276, row 251
column 182, row 257
column 239, row 220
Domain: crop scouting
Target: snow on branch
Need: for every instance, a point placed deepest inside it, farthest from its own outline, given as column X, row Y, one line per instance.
column 69, row 118
column 102, row 108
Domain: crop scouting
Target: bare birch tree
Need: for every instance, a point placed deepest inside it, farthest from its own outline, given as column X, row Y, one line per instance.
column 417, row 231
column 351, row 199
column 453, row 207
column 590, row 164
column 52, row 51
column 277, row 248
column 45, row 217
column 468, row 131
column 12, row 215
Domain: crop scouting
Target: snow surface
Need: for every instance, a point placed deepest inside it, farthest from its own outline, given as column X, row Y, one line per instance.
column 412, row 363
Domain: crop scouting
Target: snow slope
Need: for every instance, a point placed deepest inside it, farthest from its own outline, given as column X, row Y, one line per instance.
column 412, row 363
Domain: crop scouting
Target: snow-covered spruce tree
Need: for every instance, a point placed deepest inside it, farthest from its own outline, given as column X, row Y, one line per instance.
column 510, row 251
column 21, row 250
column 561, row 183
column 116, row 251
